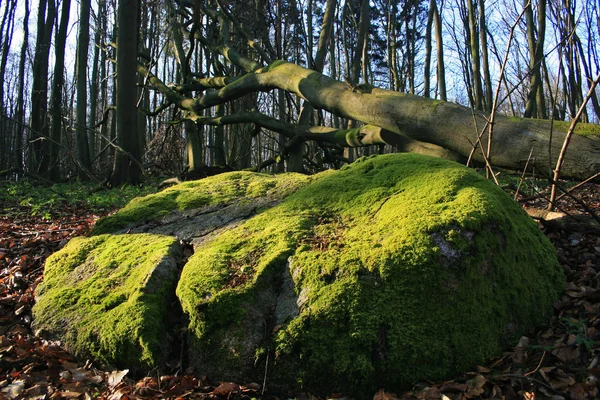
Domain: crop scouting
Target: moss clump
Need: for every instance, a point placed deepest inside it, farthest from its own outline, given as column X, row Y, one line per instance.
column 107, row 297
column 404, row 267
column 216, row 190
column 581, row 129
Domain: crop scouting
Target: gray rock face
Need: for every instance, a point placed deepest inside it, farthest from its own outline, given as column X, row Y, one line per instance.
column 193, row 225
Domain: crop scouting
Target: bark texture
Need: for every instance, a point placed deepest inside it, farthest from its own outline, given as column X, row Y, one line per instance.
column 127, row 167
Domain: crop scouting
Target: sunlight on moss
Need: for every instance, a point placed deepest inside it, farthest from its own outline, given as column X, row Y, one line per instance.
column 109, row 299
column 211, row 191
column 406, row 268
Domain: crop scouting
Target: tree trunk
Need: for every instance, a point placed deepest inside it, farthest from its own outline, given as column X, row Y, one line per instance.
column 127, row 161
column 95, row 82
column 475, row 56
column 392, row 48
column 20, row 111
column 441, row 68
column 39, row 91
column 445, row 124
column 427, row 66
column 83, row 43
column 193, row 147
column 487, row 80
column 57, row 88
column 8, row 25
column 535, row 105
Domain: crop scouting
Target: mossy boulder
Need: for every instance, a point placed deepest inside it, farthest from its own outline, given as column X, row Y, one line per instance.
column 192, row 209
column 111, row 296
column 395, row 269
column 107, row 297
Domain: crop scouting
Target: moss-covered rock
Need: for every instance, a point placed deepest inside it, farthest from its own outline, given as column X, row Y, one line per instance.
column 397, row 268
column 192, row 209
column 108, row 297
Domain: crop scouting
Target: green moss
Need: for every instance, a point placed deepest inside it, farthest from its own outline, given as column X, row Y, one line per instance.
column 406, row 267
column 273, row 65
column 215, row 190
column 581, row 129
column 106, row 298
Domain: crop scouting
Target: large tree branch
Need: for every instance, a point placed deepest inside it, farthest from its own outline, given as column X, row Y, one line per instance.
column 357, row 137
column 442, row 123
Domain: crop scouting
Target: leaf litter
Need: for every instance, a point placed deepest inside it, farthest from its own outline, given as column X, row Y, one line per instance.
column 558, row 361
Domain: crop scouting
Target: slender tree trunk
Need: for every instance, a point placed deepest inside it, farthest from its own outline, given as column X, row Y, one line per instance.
column 219, row 149
column 57, row 88
column 39, row 91
column 487, row 79
column 8, row 25
column 126, row 167
column 412, row 47
column 193, row 147
column 391, row 44
column 535, row 105
column 441, row 68
column 427, row 64
column 83, row 42
column 95, row 83
column 309, row 38
column 20, row 109
column 475, row 56
column 363, row 31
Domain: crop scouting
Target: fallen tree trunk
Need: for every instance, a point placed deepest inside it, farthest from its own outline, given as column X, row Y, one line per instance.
column 445, row 124
column 561, row 221
column 445, row 128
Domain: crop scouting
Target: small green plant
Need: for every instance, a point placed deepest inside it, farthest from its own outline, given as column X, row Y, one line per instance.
column 579, row 329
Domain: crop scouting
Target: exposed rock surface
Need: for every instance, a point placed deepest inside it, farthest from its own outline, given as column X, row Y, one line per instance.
column 394, row 269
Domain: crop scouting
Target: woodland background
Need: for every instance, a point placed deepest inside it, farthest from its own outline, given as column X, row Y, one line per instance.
column 58, row 77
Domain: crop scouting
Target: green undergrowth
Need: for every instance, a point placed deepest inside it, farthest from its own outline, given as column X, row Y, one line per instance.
column 216, row 190
column 107, row 299
column 47, row 201
column 404, row 268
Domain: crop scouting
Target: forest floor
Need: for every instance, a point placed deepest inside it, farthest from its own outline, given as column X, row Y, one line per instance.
column 558, row 361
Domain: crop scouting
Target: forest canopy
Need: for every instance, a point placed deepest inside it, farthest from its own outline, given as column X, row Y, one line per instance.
column 195, row 87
